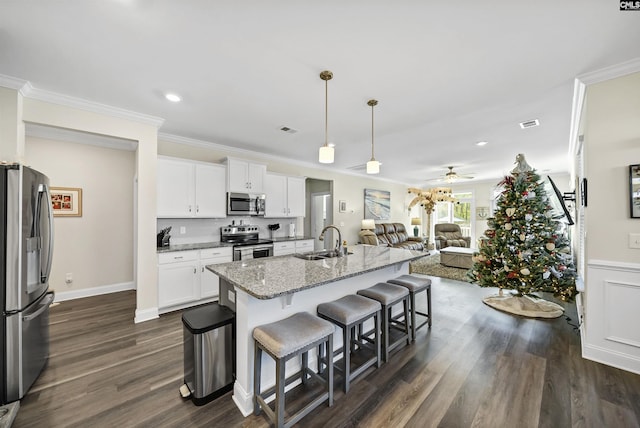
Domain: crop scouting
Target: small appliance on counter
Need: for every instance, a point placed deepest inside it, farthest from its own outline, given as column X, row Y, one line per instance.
column 292, row 230
column 163, row 237
column 273, row 228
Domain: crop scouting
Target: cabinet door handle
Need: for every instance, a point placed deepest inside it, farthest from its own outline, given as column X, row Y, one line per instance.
column 288, row 211
column 189, row 208
column 197, row 208
column 195, row 270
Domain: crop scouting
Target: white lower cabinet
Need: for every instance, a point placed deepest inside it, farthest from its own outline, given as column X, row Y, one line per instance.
column 183, row 279
column 304, row 246
column 284, row 248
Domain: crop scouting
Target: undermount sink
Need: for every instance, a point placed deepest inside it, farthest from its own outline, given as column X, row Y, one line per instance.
column 320, row 255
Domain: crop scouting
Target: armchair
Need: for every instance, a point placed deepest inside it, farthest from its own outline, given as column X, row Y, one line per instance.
column 450, row 235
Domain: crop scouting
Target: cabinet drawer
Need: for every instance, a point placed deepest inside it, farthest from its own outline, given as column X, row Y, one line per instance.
column 216, row 252
column 178, row 256
column 284, row 245
column 302, row 246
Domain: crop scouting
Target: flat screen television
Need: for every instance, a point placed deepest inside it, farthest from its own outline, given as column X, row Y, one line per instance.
column 556, row 200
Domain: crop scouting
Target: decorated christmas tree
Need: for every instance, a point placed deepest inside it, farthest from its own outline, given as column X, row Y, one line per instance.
column 527, row 248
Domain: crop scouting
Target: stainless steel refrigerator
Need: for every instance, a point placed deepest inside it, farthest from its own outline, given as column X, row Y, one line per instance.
column 26, row 248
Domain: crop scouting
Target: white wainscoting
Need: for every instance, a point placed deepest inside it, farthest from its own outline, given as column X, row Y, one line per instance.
column 611, row 333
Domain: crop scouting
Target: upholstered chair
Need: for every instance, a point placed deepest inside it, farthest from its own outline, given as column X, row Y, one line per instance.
column 450, row 235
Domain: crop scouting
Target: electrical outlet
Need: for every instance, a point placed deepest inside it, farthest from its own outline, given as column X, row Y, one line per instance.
column 183, row 230
column 68, row 278
column 634, row 240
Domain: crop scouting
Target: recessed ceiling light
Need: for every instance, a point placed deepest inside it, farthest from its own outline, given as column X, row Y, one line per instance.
column 173, row 98
column 482, row 143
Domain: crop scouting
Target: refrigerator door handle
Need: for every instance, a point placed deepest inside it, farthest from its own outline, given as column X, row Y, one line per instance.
column 44, row 272
column 45, row 304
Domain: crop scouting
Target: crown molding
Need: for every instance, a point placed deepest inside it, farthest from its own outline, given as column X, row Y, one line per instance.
column 607, row 73
column 19, row 85
column 71, row 136
column 91, row 106
column 252, row 153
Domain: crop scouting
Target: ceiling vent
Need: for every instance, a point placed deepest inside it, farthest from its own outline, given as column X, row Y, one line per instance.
column 529, row 123
column 288, row 130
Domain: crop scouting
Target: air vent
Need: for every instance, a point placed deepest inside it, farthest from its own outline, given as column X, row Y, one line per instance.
column 288, row 130
column 529, row 124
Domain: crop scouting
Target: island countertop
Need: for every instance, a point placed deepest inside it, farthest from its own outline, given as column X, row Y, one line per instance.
column 270, row 277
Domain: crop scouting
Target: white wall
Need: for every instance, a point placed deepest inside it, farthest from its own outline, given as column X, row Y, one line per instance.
column 96, row 248
column 612, row 282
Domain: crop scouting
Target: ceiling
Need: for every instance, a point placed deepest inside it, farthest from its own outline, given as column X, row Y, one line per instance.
column 446, row 74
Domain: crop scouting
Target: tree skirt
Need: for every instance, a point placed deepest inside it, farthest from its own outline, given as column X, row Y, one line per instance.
column 527, row 306
column 430, row 265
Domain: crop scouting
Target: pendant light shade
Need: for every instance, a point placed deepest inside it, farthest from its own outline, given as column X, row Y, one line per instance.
column 325, row 154
column 373, row 166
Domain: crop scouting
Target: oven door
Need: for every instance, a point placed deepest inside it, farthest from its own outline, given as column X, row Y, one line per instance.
column 252, row 252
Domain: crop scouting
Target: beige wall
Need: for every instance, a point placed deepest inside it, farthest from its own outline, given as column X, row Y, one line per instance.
column 96, row 248
column 612, row 143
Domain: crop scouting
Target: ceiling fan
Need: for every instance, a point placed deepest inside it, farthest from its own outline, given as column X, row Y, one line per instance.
column 451, row 176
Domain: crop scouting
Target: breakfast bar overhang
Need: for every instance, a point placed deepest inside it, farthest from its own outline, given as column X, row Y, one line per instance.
column 269, row 289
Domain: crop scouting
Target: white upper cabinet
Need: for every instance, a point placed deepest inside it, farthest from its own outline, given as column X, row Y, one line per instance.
column 285, row 196
column 190, row 189
column 244, row 176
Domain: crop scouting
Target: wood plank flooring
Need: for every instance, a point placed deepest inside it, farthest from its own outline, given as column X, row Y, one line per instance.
column 476, row 367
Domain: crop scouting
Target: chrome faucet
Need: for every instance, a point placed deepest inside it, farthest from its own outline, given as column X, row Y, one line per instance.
column 338, row 248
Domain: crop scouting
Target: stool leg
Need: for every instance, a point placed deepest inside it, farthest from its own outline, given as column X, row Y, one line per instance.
column 405, row 304
column 347, row 356
column 320, row 357
column 429, row 305
column 413, row 316
column 376, row 338
column 330, row 369
column 305, row 365
column 257, row 363
column 279, row 402
column 385, row 332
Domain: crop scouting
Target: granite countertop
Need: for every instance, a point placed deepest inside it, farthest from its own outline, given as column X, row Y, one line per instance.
column 196, row 246
column 269, row 277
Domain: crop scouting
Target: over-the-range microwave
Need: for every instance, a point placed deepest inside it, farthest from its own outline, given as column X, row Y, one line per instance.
column 245, row 204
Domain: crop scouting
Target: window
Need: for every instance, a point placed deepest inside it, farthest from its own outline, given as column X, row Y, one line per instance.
column 458, row 213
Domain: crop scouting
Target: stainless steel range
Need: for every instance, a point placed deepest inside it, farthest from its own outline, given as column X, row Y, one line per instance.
column 246, row 242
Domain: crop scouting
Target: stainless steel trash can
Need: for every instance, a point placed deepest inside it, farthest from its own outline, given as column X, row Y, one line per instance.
column 209, row 351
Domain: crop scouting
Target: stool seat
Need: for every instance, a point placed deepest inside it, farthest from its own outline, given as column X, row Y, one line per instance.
column 289, row 335
column 412, row 283
column 349, row 309
column 384, row 293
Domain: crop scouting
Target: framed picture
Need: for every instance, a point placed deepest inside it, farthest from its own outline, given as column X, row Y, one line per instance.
column 634, row 190
column 342, row 206
column 66, row 201
column 377, row 204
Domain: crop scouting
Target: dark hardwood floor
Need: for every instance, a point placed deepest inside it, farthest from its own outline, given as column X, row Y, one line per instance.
column 475, row 367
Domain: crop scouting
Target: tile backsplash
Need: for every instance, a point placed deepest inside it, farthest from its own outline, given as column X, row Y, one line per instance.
column 208, row 229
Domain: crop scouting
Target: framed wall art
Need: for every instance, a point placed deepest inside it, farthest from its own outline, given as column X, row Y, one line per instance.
column 342, row 206
column 634, row 190
column 377, row 204
column 66, row 201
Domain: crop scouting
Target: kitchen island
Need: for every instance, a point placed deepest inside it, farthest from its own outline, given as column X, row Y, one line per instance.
column 268, row 289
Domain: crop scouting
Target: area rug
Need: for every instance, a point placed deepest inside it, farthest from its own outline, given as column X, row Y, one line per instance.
column 430, row 265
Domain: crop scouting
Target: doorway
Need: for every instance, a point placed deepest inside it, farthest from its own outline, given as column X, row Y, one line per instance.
column 320, row 209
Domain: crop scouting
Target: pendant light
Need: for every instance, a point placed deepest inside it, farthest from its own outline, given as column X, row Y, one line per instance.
column 373, row 166
column 325, row 155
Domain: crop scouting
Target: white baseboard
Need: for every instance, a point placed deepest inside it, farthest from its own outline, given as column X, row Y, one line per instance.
column 61, row 296
column 619, row 360
column 146, row 315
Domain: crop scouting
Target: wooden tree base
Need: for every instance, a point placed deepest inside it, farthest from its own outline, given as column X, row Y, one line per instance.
column 526, row 306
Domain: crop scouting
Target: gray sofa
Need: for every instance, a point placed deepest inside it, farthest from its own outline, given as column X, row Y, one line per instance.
column 392, row 235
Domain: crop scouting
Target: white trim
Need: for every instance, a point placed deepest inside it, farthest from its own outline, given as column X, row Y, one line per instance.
column 72, row 136
column 13, row 83
column 614, row 266
column 611, row 72
column 170, row 138
column 61, row 296
column 611, row 358
column 243, row 400
column 146, row 315
column 579, row 89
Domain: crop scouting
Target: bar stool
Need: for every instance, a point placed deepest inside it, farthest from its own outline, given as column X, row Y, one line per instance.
column 348, row 313
column 389, row 295
column 283, row 340
column 415, row 285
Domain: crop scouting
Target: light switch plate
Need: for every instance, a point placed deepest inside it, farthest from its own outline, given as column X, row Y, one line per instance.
column 183, row 230
column 232, row 296
column 634, row 240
